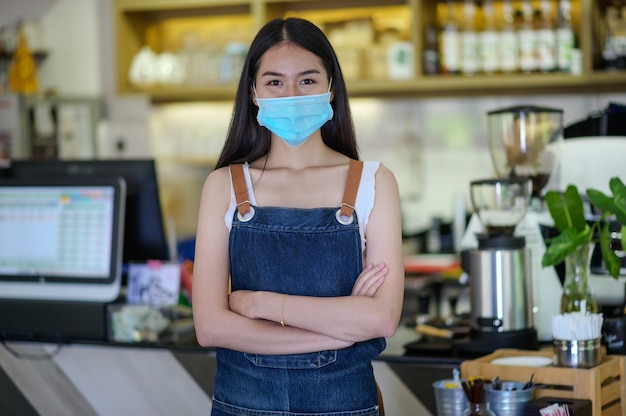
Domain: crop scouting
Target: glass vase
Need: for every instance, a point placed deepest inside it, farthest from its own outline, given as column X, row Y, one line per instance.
column 478, row 409
column 577, row 294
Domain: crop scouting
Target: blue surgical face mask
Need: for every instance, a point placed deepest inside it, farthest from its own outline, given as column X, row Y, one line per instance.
column 294, row 119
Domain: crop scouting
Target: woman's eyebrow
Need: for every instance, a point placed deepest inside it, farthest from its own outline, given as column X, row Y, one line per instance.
column 271, row 74
column 278, row 74
column 310, row 71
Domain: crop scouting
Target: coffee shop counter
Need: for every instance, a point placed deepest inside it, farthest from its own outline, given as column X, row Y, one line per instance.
column 165, row 378
column 142, row 379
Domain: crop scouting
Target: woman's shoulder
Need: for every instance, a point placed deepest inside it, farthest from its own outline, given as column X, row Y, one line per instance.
column 220, row 174
column 217, row 180
column 379, row 169
column 382, row 174
column 383, row 170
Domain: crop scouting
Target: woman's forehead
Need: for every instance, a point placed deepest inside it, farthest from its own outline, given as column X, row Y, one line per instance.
column 289, row 59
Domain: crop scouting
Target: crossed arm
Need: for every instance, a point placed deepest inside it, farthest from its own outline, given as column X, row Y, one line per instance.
column 251, row 321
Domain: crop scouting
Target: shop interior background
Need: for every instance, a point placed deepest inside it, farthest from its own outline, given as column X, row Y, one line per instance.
column 435, row 146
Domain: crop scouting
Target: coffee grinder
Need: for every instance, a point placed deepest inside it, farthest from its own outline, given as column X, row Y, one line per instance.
column 499, row 268
column 524, row 144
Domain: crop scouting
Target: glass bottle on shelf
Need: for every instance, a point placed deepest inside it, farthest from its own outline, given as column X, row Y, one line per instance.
column 546, row 38
column 431, row 51
column 527, row 39
column 488, row 40
column 564, row 36
column 450, row 45
column 508, row 49
column 469, row 40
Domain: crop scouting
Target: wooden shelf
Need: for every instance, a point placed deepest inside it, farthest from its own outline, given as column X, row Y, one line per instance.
column 531, row 84
column 38, row 55
column 159, row 23
column 163, row 93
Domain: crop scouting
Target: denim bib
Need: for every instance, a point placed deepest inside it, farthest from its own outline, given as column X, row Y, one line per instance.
column 308, row 252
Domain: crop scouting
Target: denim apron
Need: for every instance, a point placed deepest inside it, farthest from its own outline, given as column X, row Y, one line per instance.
column 308, row 252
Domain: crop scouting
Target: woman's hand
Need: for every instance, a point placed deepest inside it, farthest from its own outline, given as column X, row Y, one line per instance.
column 370, row 279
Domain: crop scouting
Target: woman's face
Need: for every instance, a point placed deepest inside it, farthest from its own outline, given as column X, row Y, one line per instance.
column 287, row 70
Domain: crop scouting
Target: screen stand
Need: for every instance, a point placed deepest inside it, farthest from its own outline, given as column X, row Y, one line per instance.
column 56, row 321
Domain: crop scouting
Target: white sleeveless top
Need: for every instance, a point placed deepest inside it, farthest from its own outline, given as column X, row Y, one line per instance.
column 364, row 198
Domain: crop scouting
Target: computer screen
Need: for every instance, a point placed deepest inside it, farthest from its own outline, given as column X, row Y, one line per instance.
column 61, row 238
column 144, row 231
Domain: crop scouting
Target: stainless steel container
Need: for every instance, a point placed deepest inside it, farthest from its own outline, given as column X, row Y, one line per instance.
column 510, row 399
column 577, row 353
column 500, row 289
column 450, row 401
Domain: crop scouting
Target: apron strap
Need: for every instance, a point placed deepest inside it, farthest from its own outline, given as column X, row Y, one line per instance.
column 351, row 189
column 241, row 188
column 349, row 194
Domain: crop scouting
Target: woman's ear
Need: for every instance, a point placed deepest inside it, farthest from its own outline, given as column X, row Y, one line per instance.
column 253, row 94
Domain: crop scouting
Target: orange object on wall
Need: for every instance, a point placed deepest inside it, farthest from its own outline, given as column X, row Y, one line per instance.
column 22, row 70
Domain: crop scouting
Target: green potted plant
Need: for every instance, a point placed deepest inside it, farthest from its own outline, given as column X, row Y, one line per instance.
column 576, row 235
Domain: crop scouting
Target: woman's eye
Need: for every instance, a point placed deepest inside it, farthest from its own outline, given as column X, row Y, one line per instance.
column 307, row 81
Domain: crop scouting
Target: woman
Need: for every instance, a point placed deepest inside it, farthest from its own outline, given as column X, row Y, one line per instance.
column 306, row 240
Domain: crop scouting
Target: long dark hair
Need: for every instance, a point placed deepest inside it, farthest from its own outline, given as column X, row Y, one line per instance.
column 246, row 140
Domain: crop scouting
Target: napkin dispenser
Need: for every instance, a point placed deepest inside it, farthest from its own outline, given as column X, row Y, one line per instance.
column 576, row 407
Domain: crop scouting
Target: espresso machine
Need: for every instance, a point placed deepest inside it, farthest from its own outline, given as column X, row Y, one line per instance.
column 512, row 297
